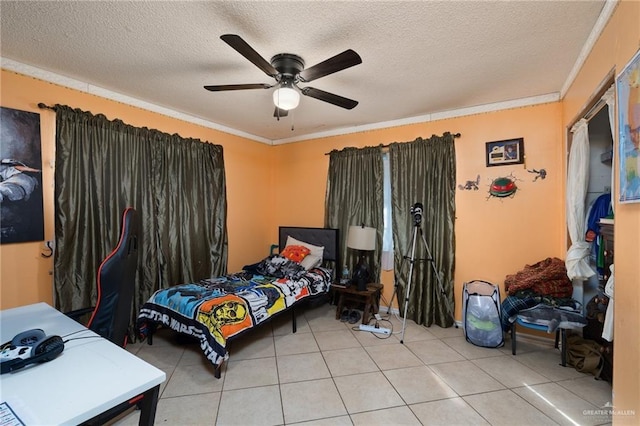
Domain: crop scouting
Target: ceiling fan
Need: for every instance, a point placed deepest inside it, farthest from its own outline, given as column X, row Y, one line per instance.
column 288, row 70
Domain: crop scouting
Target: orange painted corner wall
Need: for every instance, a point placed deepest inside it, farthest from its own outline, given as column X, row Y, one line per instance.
column 494, row 237
column 617, row 44
column 26, row 277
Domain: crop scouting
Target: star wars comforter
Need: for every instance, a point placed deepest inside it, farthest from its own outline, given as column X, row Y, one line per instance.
column 215, row 309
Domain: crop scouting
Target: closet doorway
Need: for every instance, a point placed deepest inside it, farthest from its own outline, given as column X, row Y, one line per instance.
column 590, row 186
column 589, row 190
column 598, row 191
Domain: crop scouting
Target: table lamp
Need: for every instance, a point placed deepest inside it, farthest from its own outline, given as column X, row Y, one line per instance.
column 363, row 239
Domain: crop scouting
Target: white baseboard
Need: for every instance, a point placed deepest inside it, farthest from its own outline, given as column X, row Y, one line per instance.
column 459, row 324
column 396, row 312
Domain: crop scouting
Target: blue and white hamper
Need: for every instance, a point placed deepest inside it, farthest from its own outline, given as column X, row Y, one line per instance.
column 481, row 314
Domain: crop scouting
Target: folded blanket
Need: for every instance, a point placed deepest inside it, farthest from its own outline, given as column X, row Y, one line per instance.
column 547, row 277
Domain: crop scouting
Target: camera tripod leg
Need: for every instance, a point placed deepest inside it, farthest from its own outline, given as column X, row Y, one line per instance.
column 408, row 292
column 439, row 279
column 412, row 261
column 416, row 211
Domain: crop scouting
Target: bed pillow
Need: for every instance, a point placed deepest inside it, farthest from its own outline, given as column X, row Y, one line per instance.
column 310, row 262
column 315, row 250
column 295, row 253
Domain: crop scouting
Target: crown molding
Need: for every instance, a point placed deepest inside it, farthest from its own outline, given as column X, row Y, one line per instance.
column 596, row 31
column 81, row 86
column 461, row 112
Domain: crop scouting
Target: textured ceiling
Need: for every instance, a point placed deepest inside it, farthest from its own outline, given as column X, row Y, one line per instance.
column 420, row 58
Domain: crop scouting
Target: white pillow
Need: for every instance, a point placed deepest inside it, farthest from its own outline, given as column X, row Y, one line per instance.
column 315, row 250
column 310, row 261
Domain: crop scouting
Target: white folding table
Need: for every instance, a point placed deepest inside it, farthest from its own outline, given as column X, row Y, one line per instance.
column 90, row 377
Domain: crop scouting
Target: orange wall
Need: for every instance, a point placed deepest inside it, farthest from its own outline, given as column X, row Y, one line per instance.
column 616, row 46
column 25, row 276
column 300, row 171
column 494, row 237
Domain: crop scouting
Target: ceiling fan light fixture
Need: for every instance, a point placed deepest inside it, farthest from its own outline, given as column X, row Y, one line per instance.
column 286, row 98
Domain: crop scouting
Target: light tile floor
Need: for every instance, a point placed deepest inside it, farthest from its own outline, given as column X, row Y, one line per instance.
column 328, row 373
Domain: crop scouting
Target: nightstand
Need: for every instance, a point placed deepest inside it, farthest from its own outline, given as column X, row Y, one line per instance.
column 369, row 297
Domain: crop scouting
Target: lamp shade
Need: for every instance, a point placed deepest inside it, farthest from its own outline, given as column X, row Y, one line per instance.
column 361, row 238
column 286, row 98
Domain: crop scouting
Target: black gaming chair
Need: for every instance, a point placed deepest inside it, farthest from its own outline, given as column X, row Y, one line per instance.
column 115, row 283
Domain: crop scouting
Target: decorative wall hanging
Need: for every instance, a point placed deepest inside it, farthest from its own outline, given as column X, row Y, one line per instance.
column 628, row 84
column 21, row 212
column 502, row 187
column 540, row 174
column 470, row 184
column 502, row 153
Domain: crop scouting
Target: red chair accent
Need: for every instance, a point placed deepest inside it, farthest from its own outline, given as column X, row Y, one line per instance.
column 111, row 316
column 115, row 284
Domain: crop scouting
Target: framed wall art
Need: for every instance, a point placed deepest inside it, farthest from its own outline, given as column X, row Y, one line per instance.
column 628, row 85
column 502, row 153
column 21, row 209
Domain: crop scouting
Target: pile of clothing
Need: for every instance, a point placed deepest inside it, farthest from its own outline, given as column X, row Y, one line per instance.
column 545, row 278
column 541, row 294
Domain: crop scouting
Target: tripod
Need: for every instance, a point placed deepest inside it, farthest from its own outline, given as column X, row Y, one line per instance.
column 412, row 261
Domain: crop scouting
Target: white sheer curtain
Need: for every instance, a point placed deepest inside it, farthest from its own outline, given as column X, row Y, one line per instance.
column 610, row 98
column 387, row 237
column 577, row 182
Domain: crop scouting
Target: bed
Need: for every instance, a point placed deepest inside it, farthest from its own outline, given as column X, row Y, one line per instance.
column 218, row 309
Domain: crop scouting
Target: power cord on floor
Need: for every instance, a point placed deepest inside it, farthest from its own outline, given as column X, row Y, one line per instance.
column 376, row 324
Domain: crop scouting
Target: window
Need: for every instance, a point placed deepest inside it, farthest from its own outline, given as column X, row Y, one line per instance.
column 387, row 233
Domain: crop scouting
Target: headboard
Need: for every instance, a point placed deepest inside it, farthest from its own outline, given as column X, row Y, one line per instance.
column 327, row 237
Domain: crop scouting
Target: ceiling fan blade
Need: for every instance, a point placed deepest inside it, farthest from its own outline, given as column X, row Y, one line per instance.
column 341, row 61
column 329, row 97
column 280, row 112
column 247, row 51
column 221, row 87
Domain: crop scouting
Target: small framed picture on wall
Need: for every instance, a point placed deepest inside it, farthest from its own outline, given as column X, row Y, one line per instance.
column 502, row 153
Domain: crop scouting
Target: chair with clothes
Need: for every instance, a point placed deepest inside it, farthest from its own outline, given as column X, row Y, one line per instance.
column 549, row 319
column 116, row 275
column 540, row 299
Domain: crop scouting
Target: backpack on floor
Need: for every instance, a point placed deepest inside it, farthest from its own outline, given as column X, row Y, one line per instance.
column 481, row 314
column 584, row 355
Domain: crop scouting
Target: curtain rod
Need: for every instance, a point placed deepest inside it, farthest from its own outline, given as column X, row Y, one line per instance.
column 599, row 105
column 455, row 136
column 45, row 106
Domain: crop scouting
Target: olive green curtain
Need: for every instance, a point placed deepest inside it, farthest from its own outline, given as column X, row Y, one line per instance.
column 424, row 171
column 354, row 197
column 176, row 185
